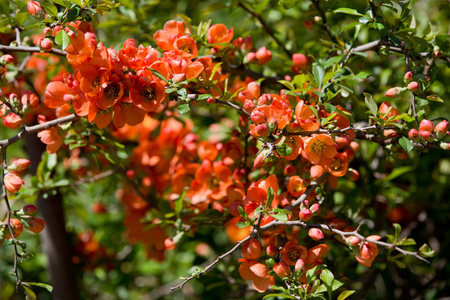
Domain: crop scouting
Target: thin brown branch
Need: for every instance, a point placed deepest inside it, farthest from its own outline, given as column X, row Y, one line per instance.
column 5, row 48
column 325, row 25
column 266, row 27
column 237, row 107
column 32, row 129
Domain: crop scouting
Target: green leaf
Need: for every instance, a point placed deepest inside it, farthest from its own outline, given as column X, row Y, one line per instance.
column 241, row 224
column 50, row 8
column 270, row 196
column 187, row 22
column 29, row 291
column 159, row 75
column 284, row 150
column 42, row 285
column 406, row 242
column 311, row 274
column 349, row 26
column 348, row 11
column 345, row 295
column 214, row 71
column 52, row 161
column 281, row 217
column 406, row 144
column 362, row 75
column 62, row 39
column 319, row 74
column 183, row 108
column 364, row 19
column 179, row 203
column 327, row 277
column 370, row 103
column 330, row 107
column 426, row 251
column 4, row 8
column 278, row 296
column 73, row 14
column 435, row 98
column 62, row 3
column 336, row 284
column 398, row 230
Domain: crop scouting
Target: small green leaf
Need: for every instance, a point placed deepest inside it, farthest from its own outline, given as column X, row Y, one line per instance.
column 241, row 224
column 327, row 277
column 281, row 217
column 73, row 14
column 364, row 19
column 336, row 284
column 29, row 291
column 187, row 22
column 435, row 98
column 159, row 75
column 179, row 203
column 62, row 39
column 278, row 296
column 406, row 144
column 349, row 26
column 284, row 150
column 50, row 8
column 214, row 71
column 348, row 11
column 362, row 75
column 319, row 74
column 311, row 274
column 330, row 107
column 345, row 295
column 42, row 285
column 426, row 251
column 183, row 108
column 370, row 103
column 270, row 196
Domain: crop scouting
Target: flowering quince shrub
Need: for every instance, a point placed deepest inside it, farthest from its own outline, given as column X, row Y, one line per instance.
column 280, row 163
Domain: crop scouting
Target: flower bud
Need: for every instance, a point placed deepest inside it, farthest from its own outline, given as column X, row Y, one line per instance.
column 308, row 24
column 6, row 59
column 211, row 100
column 300, row 265
column 262, row 129
column 414, row 135
column 16, row 226
column 249, row 57
column 257, row 116
column 35, row 225
column 29, row 209
column 353, row 174
column 408, row 76
column 413, row 86
column 19, row 165
column 426, row 135
column 393, row 92
column 315, row 209
column 282, row 269
column 353, row 240
column 249, row 105
column 169, row 244
column 426, row 125
column 305, row 214
column 289, row 170
column 441, row 129
column 12, row 121
column 34, row 8
column 444, row 146
column 271, row 250
column 316, row 234
column 251, row 249
column 263, row 55
column 46, row 44
column 300, row 60
column 13, row 183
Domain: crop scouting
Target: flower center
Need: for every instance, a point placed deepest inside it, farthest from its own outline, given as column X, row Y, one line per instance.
column 112, row 90
column 147, row 93
column 318, row 146
column 294, row 254
column 336, row 164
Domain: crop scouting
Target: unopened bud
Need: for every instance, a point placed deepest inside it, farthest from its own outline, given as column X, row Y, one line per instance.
column 353, row 240
column 46, row 44
column 393, row 92
column 426, row 125
column 408, row 76
column 300, row 60
column 316, row 234
column 315, row 209
column 441, row 129
column 413, row 134
column 263, row 55
column 305, row 214
column 426, row 135
column 34, row 8
column 413, row 86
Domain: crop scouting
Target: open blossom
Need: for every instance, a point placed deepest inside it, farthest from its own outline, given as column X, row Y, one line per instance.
column 293, row 252
column 258, row 273
column 320, row 149
column 219, row 33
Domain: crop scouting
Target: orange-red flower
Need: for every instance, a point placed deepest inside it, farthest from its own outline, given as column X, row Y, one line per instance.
column 320, row 149
column 172, row 30
column 258, row 273
column 219, row 33
column 251, row 249
column 338, row 165
column 13, row 183
column 147, row 94
column 368, row 251
column 292, row 252
column 306, row 118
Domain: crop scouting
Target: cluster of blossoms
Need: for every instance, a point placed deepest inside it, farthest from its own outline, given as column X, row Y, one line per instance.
column 22, row 218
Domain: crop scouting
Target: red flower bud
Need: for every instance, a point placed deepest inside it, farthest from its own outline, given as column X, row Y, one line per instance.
column 262, row 129
column 441, row 129
column 249, row 57
column 13, row 183
column 20, row 164
column 29, row 209
column 6, row 59
column 12, row 121
column 35, row 9
column 353, row 240
column 408, row 76
column 393, row 92
column 426, row 125
column 300, row 60
column 316, row 234
column 300, row 265
column 16, row 226
column 258, row 116
column 426, row 135
column 251, row 249
column 263, row 55
column 282, row 269
column 46, row 44
column 271, row 250
column 413, row 86
column 414, row 135
column 305, row 214
column 315, row 209
column 36, row 225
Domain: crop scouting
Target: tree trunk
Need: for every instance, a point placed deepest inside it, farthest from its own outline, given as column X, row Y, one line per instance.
column 54, row 237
